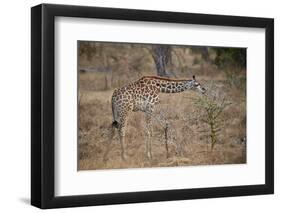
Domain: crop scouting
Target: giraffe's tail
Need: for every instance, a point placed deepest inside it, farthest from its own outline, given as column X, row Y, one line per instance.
column 114, row 124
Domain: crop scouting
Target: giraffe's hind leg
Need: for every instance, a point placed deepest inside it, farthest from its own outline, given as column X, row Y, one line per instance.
column 108, row 146
column 149, row 136
column 122, row 133
column 122, row 142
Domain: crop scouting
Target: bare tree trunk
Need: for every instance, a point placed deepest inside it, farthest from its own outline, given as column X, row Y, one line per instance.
column 105, row 82
column 161, row 55
column 205, row 53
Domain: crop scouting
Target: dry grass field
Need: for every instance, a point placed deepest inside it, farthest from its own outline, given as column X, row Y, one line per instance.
column 186, row 136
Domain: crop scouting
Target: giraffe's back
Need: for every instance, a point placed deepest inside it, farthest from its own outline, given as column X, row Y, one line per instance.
column 141, row 95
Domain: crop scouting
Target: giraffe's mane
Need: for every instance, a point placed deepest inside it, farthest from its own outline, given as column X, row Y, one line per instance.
column 163, row 78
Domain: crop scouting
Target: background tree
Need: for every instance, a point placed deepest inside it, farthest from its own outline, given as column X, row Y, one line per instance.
column 162, row 56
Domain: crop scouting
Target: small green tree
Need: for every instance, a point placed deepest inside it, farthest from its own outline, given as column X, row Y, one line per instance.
column 211, row 107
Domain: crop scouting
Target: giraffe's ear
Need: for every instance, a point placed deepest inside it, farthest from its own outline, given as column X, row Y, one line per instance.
column 193, row 77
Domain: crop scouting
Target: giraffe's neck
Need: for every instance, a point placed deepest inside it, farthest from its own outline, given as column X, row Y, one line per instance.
column 173, row 85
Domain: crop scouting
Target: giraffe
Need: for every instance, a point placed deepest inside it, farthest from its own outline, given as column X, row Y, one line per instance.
column 142, row 95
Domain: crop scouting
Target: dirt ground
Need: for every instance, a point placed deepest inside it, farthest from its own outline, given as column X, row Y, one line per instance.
column 187, row 144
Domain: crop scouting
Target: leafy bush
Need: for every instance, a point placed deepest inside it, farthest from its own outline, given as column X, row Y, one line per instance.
column 230, row 57
column 210, row 108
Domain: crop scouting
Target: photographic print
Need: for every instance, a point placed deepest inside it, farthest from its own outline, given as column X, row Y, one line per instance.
column 113, row 99
column 158, row 105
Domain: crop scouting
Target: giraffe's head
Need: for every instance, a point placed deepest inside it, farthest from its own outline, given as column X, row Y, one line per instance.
column 197, row 86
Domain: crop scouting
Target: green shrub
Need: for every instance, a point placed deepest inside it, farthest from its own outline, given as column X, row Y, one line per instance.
column 230, row 57
column 210, row 108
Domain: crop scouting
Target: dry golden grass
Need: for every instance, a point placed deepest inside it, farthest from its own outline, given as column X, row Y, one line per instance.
column 95, row 125
column 187, row 144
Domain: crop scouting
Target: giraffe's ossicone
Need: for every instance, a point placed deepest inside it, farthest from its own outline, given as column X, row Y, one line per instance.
column 142, row 95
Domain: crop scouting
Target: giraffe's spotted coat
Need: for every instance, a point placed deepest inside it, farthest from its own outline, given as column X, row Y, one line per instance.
column 142, row 95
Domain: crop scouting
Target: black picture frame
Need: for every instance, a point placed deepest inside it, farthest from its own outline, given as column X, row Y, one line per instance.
column 43, row 105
